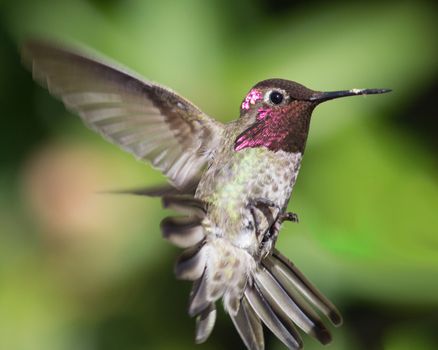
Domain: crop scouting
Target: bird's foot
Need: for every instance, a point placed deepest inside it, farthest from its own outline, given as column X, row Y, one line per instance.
column 292, row 217
column 265, row 206
column 271, row 235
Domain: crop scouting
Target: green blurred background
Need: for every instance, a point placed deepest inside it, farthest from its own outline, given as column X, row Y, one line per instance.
column 81, row 271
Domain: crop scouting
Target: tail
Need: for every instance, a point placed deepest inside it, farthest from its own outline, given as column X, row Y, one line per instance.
column 275, row 294
column 282, row 298
column 272, row 292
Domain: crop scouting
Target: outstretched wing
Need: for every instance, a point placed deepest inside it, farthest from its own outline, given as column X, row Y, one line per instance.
column 149, row 121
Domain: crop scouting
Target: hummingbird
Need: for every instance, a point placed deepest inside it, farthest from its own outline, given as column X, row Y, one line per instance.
column 231, row 183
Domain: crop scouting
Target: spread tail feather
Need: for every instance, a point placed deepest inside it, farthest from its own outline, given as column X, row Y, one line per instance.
column 282, row 328
column 199, row 296
column 293, row 280
column 249, row 326
column 282, row 298
column 289, row 306
column 205, row 323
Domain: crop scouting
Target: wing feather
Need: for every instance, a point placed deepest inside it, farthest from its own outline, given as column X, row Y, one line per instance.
column 150, row 121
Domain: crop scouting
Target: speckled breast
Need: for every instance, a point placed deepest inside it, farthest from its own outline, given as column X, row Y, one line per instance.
column 234, row 179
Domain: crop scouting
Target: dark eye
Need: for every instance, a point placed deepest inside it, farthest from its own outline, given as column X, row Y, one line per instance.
column 276, row 97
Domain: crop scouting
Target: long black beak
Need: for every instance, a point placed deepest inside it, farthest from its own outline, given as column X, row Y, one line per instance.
column 330, row 95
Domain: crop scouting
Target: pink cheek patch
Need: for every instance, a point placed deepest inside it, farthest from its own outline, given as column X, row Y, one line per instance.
column 253, row 96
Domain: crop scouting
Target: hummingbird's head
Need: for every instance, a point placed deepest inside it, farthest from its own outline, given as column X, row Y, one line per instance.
column 279, row 112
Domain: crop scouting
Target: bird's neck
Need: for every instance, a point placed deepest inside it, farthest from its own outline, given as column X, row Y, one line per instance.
column 276, row 130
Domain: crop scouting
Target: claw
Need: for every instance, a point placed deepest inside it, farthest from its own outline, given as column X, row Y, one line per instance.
column 293, row 217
